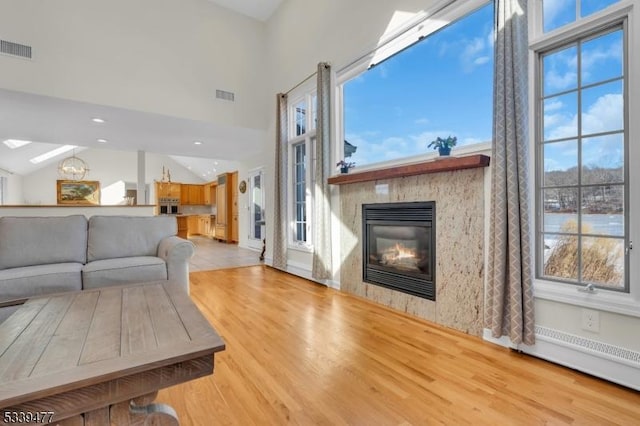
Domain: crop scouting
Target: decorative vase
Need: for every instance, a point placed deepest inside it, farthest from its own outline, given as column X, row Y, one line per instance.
column 444, row 150
column 344, row 169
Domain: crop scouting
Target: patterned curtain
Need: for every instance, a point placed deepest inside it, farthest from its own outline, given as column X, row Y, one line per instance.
column 509, row 294
column 280, row 190
column 321, row 268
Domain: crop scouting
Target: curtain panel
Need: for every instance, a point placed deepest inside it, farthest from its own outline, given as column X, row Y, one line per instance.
column 322, row 265
column 510, row 302
column 280, row 190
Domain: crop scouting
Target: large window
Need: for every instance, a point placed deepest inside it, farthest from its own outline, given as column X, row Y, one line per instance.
column 582, row 183
column 440, row 86
column 302, row 134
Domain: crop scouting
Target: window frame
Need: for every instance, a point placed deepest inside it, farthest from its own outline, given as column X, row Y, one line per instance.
column 620, row 13
column 421, row 26
column 251, row 175
column 306, row 94
column 579, row 186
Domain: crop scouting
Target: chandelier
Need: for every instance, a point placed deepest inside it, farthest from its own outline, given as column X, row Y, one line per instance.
column 72, row 168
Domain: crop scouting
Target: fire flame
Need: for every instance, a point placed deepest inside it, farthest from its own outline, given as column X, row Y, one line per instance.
column 399, row 256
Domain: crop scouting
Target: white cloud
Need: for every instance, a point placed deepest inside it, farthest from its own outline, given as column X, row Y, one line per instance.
column 552, row 10
column 472, row 50
column 421, row 121
column 561, row 81
column 481, row 60
column 553, row 105
column 606, row 114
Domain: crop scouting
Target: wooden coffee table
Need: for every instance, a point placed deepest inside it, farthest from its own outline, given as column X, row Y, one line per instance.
column 99, row 356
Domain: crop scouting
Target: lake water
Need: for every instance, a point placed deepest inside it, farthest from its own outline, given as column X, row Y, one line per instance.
column 603, row 224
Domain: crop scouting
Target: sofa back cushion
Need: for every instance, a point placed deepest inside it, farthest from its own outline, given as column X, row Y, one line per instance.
column 28, row 241
column 112, row 237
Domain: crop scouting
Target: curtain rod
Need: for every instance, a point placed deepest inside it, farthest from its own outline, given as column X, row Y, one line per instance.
column 445, row 4
column 6, row 171
column 301, row 83
column 304, row 80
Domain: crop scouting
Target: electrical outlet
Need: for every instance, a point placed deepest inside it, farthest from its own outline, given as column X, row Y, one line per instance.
column 590, row 320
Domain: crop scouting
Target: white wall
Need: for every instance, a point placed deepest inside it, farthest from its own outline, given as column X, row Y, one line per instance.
column 162, row 56
column 301, row 33
column 13, row 194
column 110, row 168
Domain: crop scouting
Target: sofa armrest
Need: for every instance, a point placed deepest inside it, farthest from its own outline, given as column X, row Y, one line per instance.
column 176, row 252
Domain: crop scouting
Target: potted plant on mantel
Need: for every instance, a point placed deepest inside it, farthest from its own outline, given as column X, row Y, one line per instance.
column 443, row 145
column 345, row 166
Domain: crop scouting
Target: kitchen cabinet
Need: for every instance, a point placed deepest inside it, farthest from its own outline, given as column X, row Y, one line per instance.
column 234, row 207
column 197, row 224
column 167, row 190
column 183, row 227
column 192, row 194
column 224, row 208
column 210, row 193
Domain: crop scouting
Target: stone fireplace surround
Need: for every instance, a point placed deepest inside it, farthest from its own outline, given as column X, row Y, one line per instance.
column 458, row 190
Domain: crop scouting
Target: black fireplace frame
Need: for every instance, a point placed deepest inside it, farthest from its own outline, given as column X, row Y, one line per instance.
column 420, row 213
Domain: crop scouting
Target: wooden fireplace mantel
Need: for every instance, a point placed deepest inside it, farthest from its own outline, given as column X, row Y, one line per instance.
column 431, row 166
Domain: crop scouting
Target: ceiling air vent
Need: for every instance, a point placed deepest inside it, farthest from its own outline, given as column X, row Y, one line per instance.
column 15, row 49
column 225, row 96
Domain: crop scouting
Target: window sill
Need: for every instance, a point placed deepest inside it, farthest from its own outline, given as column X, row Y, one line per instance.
column 619, row 303
column 300, row 248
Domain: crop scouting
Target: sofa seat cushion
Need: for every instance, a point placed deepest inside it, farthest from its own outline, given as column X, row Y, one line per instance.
column 125, row 270
column 28, row 241
column 17, row 283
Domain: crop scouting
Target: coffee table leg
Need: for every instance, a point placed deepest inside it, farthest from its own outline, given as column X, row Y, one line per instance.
column 143, row 411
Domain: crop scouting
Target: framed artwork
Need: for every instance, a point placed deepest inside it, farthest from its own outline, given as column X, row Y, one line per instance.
column 79, row 192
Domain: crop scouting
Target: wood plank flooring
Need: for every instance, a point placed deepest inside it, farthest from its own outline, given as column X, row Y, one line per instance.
column 300, row 353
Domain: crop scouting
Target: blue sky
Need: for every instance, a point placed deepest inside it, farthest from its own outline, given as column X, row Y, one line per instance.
column 442, row 86
column 439, row 87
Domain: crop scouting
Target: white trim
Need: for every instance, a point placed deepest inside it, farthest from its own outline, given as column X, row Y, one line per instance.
column 620, row 303
column 580, row 27
column 423, row 24
column 586, row 355
column 618, row 365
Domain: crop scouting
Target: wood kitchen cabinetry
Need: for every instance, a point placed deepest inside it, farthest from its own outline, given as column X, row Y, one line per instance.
column 224, row 229
column 210, row 193
column 192, row 194
column 234, row 207
column 183, row 226
column 168, row 190
column 198, row 224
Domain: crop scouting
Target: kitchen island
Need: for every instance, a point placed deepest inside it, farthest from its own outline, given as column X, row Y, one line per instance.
column 196, row 224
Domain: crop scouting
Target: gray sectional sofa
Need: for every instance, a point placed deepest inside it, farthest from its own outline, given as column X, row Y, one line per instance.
column 44, row 255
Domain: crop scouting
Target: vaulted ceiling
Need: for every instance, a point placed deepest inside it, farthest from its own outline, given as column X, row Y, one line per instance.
column 50, row 122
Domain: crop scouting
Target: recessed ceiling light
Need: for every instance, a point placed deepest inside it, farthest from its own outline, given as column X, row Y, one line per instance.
column 15, row 143
column 52, row 153
column 97, row 120
column 102, row 140
column 197, row 143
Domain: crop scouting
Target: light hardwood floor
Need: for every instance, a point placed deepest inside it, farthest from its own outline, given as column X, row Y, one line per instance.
column 300, row 353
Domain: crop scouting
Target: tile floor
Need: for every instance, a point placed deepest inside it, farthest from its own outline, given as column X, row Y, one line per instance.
column 211, row 254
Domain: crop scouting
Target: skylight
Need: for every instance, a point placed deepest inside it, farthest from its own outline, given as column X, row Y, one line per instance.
column 53, row 153
column 15, row 143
